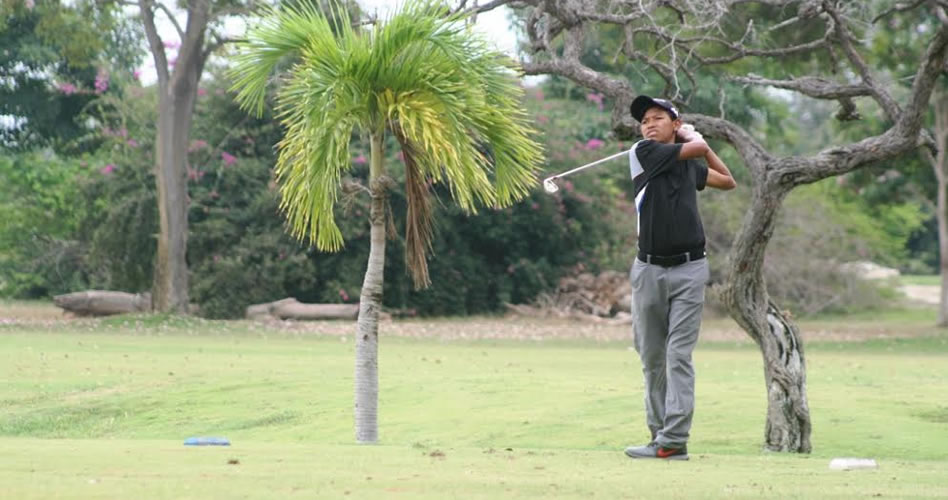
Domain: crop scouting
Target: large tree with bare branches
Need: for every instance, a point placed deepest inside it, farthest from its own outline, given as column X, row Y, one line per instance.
column 682, row 40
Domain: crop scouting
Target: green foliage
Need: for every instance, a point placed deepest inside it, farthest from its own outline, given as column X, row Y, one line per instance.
column 55, row 60
column 512, row 255
column 823, row 226
column 39, row 217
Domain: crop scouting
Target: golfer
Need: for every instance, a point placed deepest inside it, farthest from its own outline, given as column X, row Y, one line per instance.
column 670, row 271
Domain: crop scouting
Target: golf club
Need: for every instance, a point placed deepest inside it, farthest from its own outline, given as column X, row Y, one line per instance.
column 551, row 187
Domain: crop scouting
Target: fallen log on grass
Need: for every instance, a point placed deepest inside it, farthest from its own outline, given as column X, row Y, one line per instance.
column 103, row 302
column 291, row 308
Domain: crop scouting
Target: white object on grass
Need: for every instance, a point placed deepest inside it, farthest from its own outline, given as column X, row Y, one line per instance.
column 845, row 463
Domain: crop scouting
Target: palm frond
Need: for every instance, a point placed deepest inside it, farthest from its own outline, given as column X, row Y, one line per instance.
column 315, row 150
column 422, row 74
column 475, row 96
column 280, row 34
column 418, row 222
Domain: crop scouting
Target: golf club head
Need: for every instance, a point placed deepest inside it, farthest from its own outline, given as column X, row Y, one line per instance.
column 549, row 186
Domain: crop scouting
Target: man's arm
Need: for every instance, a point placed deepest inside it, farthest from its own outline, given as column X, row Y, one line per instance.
column 693, row 144
column 718, row 175
column 695, row 147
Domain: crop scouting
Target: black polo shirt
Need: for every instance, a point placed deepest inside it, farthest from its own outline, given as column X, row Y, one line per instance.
column 666, row 199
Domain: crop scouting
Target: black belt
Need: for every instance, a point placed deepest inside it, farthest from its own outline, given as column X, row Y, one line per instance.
column 671, row 260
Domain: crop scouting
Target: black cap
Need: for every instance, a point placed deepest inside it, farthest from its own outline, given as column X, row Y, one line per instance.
column 642, row 103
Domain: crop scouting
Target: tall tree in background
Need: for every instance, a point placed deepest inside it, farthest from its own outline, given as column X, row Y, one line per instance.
column 679, row 40
column 178, row 80
column 451, row 102
column 904, row 44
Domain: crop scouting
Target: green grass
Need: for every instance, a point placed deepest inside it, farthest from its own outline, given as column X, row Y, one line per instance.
column 100, row 410
column 921, row 279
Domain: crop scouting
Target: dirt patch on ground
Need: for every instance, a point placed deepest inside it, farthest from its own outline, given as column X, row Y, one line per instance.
column 922, row 294
column 714, row 329
column 538, row 330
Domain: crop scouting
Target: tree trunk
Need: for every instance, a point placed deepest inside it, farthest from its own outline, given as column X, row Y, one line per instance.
column 788, row 414
column 177, row 91
column 170, row 292
column 939, row 163
column 942, row 216
column 370, row 304
column 745, row 294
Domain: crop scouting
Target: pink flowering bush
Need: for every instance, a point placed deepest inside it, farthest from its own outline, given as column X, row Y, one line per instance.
column 594, row 144
column 101, row 81
column 67, row 88
column 228, row 158
column 596, row 98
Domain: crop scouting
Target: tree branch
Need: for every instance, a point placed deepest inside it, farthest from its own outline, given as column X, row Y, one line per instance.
column 902, row 137
column 171, row 18
column 219, row 42
column 898, row 7
column 812, row 86
column 942, row 16
column 477, row 9
column 910, row 123
column 154, row 41
column 609, row 86
column 879, row 92
column 191, row 55
column 751, row 151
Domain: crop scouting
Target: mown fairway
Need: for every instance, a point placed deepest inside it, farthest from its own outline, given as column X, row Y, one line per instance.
column 99, row 409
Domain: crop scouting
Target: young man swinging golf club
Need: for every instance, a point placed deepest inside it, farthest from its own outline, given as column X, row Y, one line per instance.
column 670, row 270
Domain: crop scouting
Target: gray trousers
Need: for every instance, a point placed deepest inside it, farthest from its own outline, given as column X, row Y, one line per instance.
column 666, row 311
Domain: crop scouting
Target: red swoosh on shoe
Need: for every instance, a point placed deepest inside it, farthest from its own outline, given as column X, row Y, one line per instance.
column 666, row 452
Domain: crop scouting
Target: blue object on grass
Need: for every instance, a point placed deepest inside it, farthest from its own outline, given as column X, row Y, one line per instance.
column 206, row 441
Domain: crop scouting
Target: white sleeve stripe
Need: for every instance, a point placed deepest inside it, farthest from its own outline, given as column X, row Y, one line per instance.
column 634, row 166
column 636, row 170
column 639, row 197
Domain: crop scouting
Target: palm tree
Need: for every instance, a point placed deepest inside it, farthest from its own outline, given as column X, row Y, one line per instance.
column 422, row 75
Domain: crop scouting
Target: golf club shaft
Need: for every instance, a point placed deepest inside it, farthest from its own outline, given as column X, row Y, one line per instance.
column 593, row 164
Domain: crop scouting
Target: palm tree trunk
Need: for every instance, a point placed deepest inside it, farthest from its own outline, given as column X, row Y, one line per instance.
column 370, row 303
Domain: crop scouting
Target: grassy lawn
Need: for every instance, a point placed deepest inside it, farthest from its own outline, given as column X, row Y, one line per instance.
column 921, row 279
column 99, row 409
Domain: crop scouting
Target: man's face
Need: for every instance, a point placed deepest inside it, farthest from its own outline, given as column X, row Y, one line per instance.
column 658, row 125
